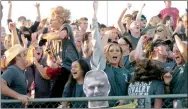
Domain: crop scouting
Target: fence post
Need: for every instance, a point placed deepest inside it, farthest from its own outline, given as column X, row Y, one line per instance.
column 148, row 102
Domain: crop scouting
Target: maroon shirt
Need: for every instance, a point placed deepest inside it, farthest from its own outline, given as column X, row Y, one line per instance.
column 174, row 12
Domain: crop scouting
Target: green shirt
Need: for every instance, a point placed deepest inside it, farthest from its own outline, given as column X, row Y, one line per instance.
column 179, row 81
column 75, row 91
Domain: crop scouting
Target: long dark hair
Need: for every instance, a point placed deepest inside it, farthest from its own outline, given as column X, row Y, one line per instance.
column 148, row 70
column 85, row 37
column 85, row 68
column 166, row 19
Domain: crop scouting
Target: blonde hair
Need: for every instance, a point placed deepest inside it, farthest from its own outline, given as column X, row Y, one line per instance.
column 168, row 34
column 109, row 34
column 6, row 41
column 106, row 50
column 30, row 52
column 154, row 21
column 61, row 13
column 43, row 23
column 82, row 19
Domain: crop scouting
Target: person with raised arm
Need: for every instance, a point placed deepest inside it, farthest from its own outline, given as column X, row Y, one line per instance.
column 135, row 29
column 109, row 61
column 176, row 82
column 22, row 22
column 13, row 80
column 62, row 46
column 127, row 19
column 171, row 11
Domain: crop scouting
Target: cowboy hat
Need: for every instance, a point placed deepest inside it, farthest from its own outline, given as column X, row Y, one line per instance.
column 12, row 52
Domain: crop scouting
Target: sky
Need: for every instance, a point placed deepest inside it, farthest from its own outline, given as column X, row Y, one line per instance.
column 85, row 9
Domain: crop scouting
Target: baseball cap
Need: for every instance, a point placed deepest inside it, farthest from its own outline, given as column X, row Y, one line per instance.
column 160, row 42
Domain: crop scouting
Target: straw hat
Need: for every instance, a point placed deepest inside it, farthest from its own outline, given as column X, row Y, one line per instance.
column 12, row 52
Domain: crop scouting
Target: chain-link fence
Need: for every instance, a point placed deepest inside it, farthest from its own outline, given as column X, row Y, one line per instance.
column 168, row 101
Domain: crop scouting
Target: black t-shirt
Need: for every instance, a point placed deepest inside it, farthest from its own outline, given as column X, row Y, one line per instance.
column 32, row 29
column 42, row 86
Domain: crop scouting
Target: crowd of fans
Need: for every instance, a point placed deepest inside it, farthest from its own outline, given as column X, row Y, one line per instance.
column 50, row 58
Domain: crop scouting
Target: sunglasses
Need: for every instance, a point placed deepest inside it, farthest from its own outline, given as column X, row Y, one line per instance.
column 159, row 31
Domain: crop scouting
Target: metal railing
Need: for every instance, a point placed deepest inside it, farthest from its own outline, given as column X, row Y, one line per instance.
column 55, row 101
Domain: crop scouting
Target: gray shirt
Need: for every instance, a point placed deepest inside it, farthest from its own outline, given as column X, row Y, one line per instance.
column 16, row 81
column 154, row 87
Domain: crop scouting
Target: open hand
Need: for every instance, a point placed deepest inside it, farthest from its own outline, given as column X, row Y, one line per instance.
column 24, row 40
column 34, row 36
column 129, row 5
column 143, row 5
column 37, row 5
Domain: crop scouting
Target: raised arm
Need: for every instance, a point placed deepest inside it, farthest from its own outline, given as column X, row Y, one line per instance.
column 9, row 14
column 10, row 10
column 120, row 24
column 38, row 19
column 138, row 17
column 138, row 53
column 98, row 61
column 38, row 12
column 178, row 28
column 14, row 34
column 182, row 47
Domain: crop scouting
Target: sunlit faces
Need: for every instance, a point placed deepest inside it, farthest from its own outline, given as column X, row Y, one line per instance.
column 171, row 21
column 7, row 42
column 76, row 70
column 114, row 54
column 29, row 23
column 177, row 55
column 96, row 86
column 125, row 47
column 127, row 21
column 83, row 25
column 115, row 34
column 143, row 23
column 168, row 3
column 55, row 23
column 160, row 33
column 89, row 38
column 185, row 21
column 74, row 27
column 162, row 50
column 3, row 34
column 38, row 52
column 154, row 21
column 135, row 27
column 22, row 22
column 78, row 41
column 102, row 32
column 23, row 59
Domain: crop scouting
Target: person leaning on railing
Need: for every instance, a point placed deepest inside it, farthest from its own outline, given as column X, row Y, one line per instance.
column 177, row 81
column 13, row 80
